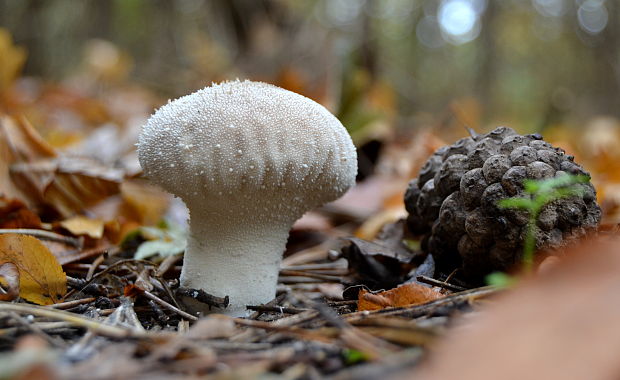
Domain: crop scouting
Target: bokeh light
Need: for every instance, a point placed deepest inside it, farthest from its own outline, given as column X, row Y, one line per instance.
column 429, row 32
column 592, row 16
column 459, row 21
column 550, row 8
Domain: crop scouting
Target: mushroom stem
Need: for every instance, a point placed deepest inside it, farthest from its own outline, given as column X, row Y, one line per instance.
column 239, row 259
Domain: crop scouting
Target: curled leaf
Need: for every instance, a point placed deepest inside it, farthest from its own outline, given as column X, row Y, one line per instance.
column 167, row 240
column 9, row 279
column 81, row 225
column 41, row 278
column 404, row 295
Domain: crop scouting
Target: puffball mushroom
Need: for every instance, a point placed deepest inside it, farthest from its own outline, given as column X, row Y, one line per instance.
column 248, row 159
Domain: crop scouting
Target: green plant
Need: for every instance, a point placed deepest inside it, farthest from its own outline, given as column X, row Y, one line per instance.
column 538, row 194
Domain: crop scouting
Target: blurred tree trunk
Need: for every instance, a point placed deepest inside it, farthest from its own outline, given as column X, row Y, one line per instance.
column 487, row 53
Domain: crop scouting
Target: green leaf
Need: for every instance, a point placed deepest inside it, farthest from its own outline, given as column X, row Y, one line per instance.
column 522, row 203
column 500, row 280
column 165, row 240
column 542, row 192
column 413, row 245
column 352, row 356
column 563, row 181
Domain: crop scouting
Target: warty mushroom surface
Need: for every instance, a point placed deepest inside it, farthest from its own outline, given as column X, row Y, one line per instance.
column 248, row 159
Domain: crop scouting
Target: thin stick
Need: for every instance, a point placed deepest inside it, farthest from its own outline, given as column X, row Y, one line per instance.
column 301, row 333
column 168, row 306
column 320, row 276
column 425, row 308
column 77, row 320
column 94, row 265
column 276, row 309
column 46, row 235
column 70, row 304
column 34, row 328
column 441, row 284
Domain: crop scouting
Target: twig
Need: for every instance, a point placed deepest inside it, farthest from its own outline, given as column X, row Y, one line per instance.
column 46, row 235
column 276, row 309
column 94, row 265
column 320, row 276
column 44, row 326
column 353, row 337
column 77, row 320
column 70, row 304
column 298, row 280
column 274, row 302
column 168, row 306
column 34, row 328
column 202, row 296
column 167, row 289
column 340, row 265
column 108, row 269
column 299, row 332
column 426, row 308
column 441, row 284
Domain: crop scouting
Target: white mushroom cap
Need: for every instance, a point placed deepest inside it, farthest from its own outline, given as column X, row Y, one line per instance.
column 236, row 141
column 246, row 158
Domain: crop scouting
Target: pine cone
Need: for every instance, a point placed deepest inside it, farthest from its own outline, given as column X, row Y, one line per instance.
column 453, row 202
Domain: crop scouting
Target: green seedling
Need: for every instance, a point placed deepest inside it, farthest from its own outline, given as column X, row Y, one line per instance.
column 352, row 356
column 538, row 194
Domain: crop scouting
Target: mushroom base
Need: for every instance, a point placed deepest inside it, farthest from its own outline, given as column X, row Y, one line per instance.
column 238, row 260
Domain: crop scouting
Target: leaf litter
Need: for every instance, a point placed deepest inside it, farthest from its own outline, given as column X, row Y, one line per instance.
column 86, row 303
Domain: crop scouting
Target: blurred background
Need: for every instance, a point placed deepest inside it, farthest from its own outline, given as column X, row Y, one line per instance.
column 88, row 73
column 532, row 64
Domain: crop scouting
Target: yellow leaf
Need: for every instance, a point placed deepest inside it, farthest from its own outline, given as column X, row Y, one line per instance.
column 41, row 278
column 12, row 58
column 81, row 225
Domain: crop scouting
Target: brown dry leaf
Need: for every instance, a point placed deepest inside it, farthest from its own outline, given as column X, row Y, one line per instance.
column 404, row 295
column 18, row 141
column 15, row 214
column 147, row 202
column 30, row 170
column 91, row 110
column 81, row 225
column 373, row 225
column 9, row 279
column 41, row 278
column 12, row 58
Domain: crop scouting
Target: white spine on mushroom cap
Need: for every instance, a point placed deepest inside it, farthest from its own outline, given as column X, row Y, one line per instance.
column 248, row 159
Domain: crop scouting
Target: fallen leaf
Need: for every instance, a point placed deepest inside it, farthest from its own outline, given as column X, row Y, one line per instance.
column 31, row 170
column 404, row 295
column 81, row 225
column 376, row 265
column 15, row 214
column 41, row 278
column 373, row 225
column 12, row 58
column 147, row 202
column 9, row 279
column 167, row 240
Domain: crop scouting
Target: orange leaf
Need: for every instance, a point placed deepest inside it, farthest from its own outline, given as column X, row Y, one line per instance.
column 15, row 214
column 81, row 225
column 30, row 170
column 404, row 295
column 41, row 279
